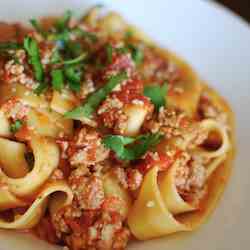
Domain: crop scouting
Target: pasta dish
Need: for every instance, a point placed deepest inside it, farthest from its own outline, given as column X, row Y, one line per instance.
column 105, row 137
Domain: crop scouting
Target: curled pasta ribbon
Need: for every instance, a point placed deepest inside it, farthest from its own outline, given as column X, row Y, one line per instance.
column 149, row 216
column 62, row 102
column 59, row 192
column 46, row 154
column 214, row 164
column 48, row 123
column 12, row 160
column 174, row 202
column 14, row 165
column 4, row 125
column 8, row 200
column 212, row 125
column 26, row 95
column 136, row 114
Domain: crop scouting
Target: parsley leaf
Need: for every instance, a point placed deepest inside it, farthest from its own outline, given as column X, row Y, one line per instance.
column 73, row 74
column 14, row 127
column 109, row 52
column 157, row 94
column 82, row 33
column 42, row 87
column 137, row 54
column 136, row 147
column 76, row 60
column 61, row 37
column 128, row 34
column 37, row 26
column 96, row 98
column 62, row 23
column 31, row 47
column 55, row 57
column 73, row 48
column 57, row 79
column 10, row 45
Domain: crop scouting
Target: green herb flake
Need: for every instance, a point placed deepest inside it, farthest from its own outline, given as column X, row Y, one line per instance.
column 37, row 26
column 128, row 34
column 10, row 46
column 42, row 87
column 109, row 52
column 55, row 57
column 14, row 127
column 82, row 33
column 62, row 23
column 32, row 49
column 57, row 79
column 94, row 100
column 157, row 95
column 73, row 48
column 137, row 54
column 122, row 50
column 76, row 60
column 73, row 75
column 62, row 36
column 128, row 149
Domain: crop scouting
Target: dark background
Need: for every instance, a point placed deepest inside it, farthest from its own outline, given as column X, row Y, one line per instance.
column 242, row 7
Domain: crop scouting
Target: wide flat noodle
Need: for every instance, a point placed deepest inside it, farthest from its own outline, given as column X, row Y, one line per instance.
column 12, row 160
column 149, row 216
column 33, row 215
column 8, row 200
column 211, row 126
column 170, row 195
column 48, row 123
column 26, row 95
column 4, row 125
column 46, row 154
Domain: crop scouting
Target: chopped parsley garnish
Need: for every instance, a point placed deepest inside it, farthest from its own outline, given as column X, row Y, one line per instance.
column 109, row 52
column 82, row 33
column 128, row 34
column 10, row 46
column 62, row 37
column 76, row 60
column 137, row 54
column 31, row 47
column 129, row 149
column 157, row 94
column 122, row 50
column 94, row 100
column 56, row 57
column 73, row 75
column 73, row 49
column 14, row 127
column 37, row 26
column 62, row 23
column 57, row 79
column 42, row 87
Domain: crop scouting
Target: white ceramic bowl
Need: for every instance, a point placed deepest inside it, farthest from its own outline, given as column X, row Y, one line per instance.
column 217, row 44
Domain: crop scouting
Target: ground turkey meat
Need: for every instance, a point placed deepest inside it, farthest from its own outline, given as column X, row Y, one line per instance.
column 86, row 148
column 190, row 180
column 88, row 191
column 129, row 179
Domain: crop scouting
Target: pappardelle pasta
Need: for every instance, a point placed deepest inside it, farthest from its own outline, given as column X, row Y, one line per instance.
column 105, row 138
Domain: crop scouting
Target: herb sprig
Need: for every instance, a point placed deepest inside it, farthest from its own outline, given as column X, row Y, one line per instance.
column 157, row 94
column 93, row 101
column 128, row 149
column 14, row 127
